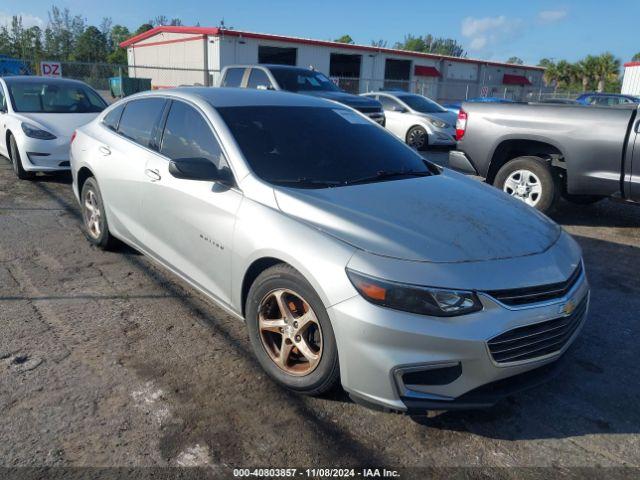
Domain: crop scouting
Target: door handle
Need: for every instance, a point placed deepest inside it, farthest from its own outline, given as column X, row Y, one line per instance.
column 104, row 150
column 154, row 175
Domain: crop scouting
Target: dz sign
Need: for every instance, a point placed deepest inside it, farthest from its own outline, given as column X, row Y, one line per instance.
column 51, row 69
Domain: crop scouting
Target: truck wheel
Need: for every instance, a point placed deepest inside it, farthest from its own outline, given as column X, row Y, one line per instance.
column 18, row 169
column 290, row 331
column 529, row 179
column 418, row 138
column 582, row 199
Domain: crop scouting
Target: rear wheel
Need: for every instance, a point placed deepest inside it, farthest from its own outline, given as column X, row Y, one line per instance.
column 290, row 331
column 417, row 138
column 530, row 180
column 96, row 228
column 16, row 161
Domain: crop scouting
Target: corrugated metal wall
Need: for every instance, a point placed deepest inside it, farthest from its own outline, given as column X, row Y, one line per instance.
column 631, row 80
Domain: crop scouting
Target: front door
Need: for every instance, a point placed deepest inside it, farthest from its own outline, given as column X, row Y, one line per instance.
column 190, row 222
column 634, row 180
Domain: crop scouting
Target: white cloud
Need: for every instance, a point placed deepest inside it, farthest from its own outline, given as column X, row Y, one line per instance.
column 484, row 32
column 551, row 16
column 28, row 20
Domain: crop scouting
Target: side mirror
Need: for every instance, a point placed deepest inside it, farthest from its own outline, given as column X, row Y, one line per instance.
column 199, row 169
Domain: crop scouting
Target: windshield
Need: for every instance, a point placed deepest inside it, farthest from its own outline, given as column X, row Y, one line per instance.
column 295, row 80
column 422, row 104
column 47, row 97
column 316, row 147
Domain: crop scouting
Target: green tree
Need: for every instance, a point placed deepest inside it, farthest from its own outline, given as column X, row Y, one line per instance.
column 379, row 43
column 118, row 34
column 587, row 71
column 550, row 76
column 430, row 44
column 636, row 57
column 145, row 27
column 91, row 46
column 607, row 69
column 515, row 60
column 344, row 39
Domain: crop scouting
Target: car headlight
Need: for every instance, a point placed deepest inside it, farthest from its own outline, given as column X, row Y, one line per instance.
column 35, row 132
column 436, row 302
column 438, row 123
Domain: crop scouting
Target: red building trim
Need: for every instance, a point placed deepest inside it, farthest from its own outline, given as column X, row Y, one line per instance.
column 306, row 41
column 425, row 71
column 509, row 79
column 165, row 42
column 632, row 64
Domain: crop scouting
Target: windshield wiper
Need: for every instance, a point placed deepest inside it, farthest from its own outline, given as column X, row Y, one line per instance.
column 306, row 182
column 385, row 175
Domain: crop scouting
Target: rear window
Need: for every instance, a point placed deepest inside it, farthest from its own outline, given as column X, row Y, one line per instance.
column 233, row 77
column 140, row 119
column 112, row 119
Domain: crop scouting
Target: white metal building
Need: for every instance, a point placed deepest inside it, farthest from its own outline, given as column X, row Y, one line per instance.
column 173, row 56
column 631, row 80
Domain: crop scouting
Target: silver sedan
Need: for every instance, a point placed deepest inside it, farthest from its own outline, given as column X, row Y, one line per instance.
column 350, row 258
column 416, row 119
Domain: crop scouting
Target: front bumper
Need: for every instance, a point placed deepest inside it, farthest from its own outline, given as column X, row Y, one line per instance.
column 378, row 346
column 44, row 155
column 442, row 137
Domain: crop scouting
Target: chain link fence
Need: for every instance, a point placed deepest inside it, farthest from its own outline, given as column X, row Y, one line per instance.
column 443, row 90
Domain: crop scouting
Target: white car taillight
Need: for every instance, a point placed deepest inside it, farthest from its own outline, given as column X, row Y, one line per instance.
column 461, row 124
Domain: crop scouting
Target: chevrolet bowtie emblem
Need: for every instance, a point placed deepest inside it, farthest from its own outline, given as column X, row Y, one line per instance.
column 568, row 308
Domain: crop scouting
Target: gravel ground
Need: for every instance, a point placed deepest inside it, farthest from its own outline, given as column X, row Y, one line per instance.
column 107, row 360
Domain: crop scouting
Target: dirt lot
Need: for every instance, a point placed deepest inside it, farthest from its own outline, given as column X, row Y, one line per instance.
column 107, row 360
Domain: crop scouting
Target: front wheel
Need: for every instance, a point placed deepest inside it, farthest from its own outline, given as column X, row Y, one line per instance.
column 18, row 169
column 418, row 138
column 290, row 331
column 530, row 180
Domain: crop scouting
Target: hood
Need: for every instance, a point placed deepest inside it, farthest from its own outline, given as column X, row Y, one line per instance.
column 61, row 125
column 442, row 218
column 447, row 117
column 353, row 101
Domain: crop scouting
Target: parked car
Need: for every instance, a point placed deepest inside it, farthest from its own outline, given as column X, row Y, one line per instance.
column 539, row 152
column 38, row 116
column 607, row 99
column 415, row 119
column 346, row 253
column 298, row 80
column 455, row 106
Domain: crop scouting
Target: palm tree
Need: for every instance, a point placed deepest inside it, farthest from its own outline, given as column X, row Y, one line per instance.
column 550, row 72
column 607, row 68
column 587, row 68
column 566, row 73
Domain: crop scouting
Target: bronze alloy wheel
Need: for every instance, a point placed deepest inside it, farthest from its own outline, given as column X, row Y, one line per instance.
column 91, row 213
column 290, row 332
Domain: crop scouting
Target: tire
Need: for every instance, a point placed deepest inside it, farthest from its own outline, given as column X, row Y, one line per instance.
column 531, row 180
column 582, row 199
column 268, row 331
column 94, row 219
column 16, row 161
column 418, row 138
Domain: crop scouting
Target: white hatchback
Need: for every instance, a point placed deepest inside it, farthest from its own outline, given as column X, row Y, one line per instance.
column 416, row 119
column 38, row 115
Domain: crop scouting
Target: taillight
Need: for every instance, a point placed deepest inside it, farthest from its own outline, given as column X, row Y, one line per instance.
column 461, row 124
column 73, row 137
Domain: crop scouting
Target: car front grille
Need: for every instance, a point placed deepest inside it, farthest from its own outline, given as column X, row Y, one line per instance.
column 537, row 340
column 367, row 110
column 522, row 296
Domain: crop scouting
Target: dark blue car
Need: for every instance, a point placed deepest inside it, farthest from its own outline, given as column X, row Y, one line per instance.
column 607, row 99
column 455, row 106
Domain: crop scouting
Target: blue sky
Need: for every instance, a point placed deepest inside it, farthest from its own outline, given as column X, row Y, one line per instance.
column 491, row 29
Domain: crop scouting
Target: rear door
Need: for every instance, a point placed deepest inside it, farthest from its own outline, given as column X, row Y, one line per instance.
column 396, row 117
column 191, row 221
column 123, row 150
column 233, row 77
column 259, row 80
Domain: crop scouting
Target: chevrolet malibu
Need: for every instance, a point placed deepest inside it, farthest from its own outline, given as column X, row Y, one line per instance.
column 38, row 116
column 349, row 257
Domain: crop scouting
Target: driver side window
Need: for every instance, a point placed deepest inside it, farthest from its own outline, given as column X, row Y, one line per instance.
column 3, row 101
column 188, row 135
column 388, row 104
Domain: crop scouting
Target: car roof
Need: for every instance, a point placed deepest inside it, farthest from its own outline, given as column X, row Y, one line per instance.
column 272, row 66
column 13, row 79
column 243, row 97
